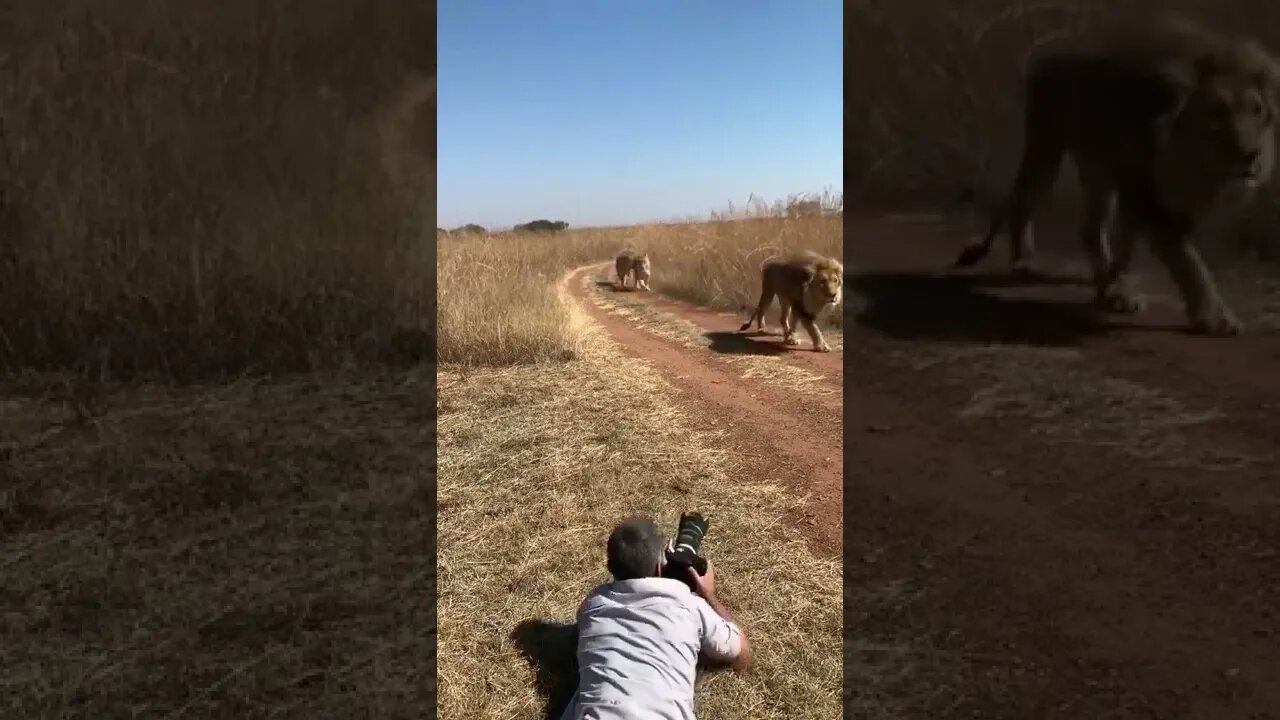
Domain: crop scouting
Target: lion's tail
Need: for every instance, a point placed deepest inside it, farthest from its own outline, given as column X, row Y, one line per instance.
column 766, row 297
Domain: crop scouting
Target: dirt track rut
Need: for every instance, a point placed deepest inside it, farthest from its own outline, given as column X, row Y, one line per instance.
column 777, row 437
column 1020, row 575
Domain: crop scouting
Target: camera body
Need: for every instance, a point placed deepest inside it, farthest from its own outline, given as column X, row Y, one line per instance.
column 685, row 551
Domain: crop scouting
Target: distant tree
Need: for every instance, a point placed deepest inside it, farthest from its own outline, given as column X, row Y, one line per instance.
column 471, row 229
column 543, row 226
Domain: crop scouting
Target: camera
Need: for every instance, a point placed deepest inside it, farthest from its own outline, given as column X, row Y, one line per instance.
column 684, row 552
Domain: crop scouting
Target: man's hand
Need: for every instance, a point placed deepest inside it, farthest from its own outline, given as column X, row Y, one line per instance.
column 704, row 585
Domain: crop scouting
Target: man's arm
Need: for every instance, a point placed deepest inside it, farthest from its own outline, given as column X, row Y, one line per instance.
column 723, row 640
column 739, row 661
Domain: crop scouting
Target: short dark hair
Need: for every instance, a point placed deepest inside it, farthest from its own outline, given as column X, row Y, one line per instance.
column 634, row 548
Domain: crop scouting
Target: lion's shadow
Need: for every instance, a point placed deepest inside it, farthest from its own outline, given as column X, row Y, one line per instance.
column 955, row 307
column 733, row 343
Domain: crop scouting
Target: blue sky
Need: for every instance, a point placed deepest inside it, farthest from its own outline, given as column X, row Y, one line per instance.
column 610, row 112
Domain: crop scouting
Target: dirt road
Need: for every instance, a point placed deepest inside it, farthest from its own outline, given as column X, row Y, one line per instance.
column 1050, row 516
column 794, row 439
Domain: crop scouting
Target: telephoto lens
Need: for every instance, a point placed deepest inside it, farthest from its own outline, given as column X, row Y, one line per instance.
column 686, row 551
column 691, row 530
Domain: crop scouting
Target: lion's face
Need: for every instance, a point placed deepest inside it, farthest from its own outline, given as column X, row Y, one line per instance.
column 1228, row 130
column 642, row 263
column 825, row 287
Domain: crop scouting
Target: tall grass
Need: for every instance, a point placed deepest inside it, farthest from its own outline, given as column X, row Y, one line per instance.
column 497, row 300
column 938, row 94
column 201, row 188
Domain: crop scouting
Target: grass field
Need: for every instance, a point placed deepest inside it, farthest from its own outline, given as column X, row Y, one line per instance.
column 191, row 193
column 537, row 465
column 216, row 420
column 498, row 303
column 243, row 550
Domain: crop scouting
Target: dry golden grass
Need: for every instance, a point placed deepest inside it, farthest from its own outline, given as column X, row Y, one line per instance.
column 202, row 189
column 498, row 305
column 190, row 191
column 252, row 550
column 537, row 466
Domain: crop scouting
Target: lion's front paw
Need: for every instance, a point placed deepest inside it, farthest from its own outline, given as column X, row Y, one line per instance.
column 822, row 347
column 1222, row 323
column 790, row 340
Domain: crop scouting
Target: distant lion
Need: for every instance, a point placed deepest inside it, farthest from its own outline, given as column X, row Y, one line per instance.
column 622, row 266
column 630, row 262
column 1159, row 123
column 642, row 269
column 805, row 284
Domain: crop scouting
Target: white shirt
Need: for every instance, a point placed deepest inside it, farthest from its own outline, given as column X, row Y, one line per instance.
column 638, row 645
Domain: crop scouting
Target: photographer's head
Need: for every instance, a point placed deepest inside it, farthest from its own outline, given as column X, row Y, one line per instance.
column 635, row 549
